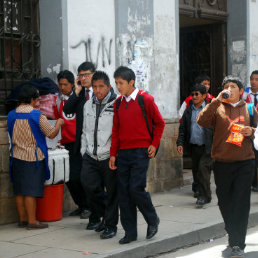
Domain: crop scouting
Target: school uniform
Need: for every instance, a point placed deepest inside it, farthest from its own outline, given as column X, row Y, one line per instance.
column 130, row 142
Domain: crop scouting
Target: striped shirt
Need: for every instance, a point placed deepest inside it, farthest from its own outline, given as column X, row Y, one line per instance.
column 24, row 143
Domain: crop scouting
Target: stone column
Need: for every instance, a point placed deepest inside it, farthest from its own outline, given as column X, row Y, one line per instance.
column 8, row 212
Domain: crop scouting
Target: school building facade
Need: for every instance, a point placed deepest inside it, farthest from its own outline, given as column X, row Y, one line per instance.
column 166, row 42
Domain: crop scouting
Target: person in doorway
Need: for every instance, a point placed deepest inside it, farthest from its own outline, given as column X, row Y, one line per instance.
column 132, row 147
column 27, row 128
column 251, row 96
column 95, row 150
column 202, row 79
column 74, row 107
column 198, row 141
column 68, row 135
column 233, row 153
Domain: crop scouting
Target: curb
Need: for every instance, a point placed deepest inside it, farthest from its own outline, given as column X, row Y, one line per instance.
column 172, row 243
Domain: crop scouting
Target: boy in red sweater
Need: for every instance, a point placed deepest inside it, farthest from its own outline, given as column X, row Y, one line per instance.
column 132, row 147
column 66, row 84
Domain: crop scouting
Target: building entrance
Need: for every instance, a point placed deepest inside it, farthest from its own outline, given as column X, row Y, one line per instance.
column 202, row 44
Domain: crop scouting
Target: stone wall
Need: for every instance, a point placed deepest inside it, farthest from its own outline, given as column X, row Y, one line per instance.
column 8, row 212
column 165, row 172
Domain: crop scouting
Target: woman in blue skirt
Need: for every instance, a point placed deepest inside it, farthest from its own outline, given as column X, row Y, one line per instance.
column 27, row 128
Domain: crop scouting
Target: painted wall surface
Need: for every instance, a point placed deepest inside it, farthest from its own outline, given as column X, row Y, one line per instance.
column 53, row 37
column 253, row 36
column 146, row 42
column 91, row 34
column 134, row 39
column 166, row 57
column 237, row 38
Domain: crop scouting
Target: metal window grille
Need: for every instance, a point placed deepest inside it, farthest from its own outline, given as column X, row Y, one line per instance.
column 19, row 44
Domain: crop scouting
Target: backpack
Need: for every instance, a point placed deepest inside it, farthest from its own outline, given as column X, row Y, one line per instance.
column 141, row 104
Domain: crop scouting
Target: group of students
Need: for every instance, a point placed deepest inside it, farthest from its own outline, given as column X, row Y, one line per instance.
column 219, row 134
column 109, row 146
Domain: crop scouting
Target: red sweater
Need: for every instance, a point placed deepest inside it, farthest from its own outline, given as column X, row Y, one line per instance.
column 129, row 126
column 68, row 130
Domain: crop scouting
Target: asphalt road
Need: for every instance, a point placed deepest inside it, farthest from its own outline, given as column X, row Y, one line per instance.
column 214, row 248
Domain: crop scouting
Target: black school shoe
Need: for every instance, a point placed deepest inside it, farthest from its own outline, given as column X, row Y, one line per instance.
column 93, row 225
column 76, row 212
column 108, row 233
column 152, row 229
column 127, row 239
column 85, row 214
column 201, row 202
column 101, row 226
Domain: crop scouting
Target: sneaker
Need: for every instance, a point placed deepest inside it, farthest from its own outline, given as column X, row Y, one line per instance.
column 237, row 252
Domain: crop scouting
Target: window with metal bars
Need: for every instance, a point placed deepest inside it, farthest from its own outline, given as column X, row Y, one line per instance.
column 19, row 44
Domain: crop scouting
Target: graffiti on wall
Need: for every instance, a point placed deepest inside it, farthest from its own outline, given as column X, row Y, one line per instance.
column 103, row 54
column 132, row 52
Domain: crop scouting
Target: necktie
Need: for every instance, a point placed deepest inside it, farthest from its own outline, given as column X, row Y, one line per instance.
column 255, row 99
column 87, row 95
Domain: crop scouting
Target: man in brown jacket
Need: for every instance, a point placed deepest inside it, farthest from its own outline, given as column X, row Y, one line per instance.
column 234, row 158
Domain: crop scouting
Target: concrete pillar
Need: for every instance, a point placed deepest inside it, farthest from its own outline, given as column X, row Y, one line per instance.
column 237, row 39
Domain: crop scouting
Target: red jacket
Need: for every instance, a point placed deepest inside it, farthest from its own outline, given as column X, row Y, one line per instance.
column 129, row 126
column 68, row 130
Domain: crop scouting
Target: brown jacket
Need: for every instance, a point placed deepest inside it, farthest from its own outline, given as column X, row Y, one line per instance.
column 218, row 114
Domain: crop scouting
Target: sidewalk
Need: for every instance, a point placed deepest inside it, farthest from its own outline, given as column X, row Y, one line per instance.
column 181, row 225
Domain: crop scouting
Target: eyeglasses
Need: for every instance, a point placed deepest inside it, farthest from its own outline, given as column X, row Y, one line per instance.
column 195, row 94
column 84, row 75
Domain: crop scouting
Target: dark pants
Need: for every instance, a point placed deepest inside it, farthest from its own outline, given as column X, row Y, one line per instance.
column 96, row 176
column 74, row 185
column 201, row 168
column 132, row 172
column 254, row 183
column 233, row 182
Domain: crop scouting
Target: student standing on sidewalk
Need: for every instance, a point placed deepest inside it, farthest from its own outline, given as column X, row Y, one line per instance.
column 74, row 106
column 251, row 96
column 198, row 141
column 234, row 158
column 95, row 150
column 132, row 146
column 68, row 134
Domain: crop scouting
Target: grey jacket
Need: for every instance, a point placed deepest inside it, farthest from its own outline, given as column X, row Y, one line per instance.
column 97, row 127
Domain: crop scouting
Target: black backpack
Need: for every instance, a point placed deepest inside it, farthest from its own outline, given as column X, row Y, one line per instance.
column 141, row 104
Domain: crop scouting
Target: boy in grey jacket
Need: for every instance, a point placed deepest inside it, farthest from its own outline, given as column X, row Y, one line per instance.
column 95, row 149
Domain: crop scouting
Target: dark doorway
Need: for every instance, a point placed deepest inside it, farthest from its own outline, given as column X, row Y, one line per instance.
column 202, row 51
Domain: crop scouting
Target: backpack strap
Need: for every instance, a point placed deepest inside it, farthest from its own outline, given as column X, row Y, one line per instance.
column 251, row 113
column 141, row 104
column 118, row 102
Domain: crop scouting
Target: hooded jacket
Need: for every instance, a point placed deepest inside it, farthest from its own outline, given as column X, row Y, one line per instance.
column 97, row 127
column 220, row 116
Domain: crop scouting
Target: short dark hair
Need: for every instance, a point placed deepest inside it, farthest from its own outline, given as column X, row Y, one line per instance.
column 86, row 66
column 100, row 75
column 66, row 75
column 202, row 77
column 234, row 79
column 27, row 93
column 254, row 72
column 200, row 88
column 125, row 73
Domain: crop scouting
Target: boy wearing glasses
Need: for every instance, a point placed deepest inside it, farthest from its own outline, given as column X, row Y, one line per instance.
column 198, row 141
column 74, row 106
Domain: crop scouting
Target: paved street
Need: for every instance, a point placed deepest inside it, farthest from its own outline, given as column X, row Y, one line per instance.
column 181, row 225
column 214, row 248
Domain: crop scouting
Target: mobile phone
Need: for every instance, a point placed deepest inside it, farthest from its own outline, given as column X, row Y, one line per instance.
column 79, row 82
